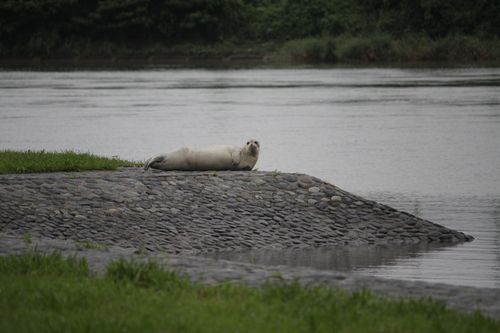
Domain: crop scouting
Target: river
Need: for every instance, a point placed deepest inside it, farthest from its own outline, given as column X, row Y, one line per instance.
column 421, row 140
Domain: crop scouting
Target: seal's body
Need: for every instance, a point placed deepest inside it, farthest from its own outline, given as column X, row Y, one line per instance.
column 208, row 158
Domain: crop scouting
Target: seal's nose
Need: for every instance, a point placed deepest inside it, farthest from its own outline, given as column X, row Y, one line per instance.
column 253, row 147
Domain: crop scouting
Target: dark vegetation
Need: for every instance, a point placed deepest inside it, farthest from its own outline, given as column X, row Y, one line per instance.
column 49, row 293
column 308, row 30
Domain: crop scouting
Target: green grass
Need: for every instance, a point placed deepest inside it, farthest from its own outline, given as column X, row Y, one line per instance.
column 43, row 161
column 47, row 293
column 27, row 238
column 275, row 172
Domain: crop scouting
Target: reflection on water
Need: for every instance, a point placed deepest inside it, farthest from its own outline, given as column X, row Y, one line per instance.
column 476, row 263
column 330, row 258
column 421, row 140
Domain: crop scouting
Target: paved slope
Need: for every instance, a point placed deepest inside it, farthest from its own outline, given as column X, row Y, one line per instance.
column 203, row 212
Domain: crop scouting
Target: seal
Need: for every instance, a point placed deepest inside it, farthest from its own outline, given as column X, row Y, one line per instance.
column 207, row 158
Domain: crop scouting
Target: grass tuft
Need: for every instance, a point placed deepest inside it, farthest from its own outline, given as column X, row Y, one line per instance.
column 275, row 172
column 32, row 263
column 43, row 161
column 27, row 238
column 145, row 275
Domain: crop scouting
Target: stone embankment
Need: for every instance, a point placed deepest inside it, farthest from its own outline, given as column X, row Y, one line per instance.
column 203, row 212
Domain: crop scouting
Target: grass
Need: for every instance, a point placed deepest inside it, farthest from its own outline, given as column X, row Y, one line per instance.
column 47, row 293
column 27, row 238
column 275, row 172
column 43, row 161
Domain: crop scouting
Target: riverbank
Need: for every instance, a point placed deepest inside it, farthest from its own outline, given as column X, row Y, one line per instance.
column 212, row 62
column 343, row 51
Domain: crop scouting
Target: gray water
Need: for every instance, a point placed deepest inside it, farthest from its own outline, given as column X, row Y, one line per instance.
column 421, row 140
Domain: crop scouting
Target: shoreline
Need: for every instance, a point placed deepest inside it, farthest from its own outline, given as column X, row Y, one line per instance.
column 234, row 61
column 207, row 270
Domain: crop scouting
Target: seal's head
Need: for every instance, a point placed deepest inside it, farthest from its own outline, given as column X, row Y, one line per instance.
column 252, row 147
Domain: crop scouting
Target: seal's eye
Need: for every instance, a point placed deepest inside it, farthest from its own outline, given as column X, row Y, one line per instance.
column 257, row 143
column 248, row 142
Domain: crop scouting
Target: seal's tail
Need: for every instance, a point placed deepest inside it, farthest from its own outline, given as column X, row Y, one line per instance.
column 149, row 163
column 146, row 164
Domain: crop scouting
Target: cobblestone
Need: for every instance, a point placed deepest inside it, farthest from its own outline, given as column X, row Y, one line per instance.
column 55, row 205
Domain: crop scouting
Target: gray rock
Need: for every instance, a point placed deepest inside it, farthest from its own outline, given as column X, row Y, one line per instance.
column 336, row 199
column 313, row 189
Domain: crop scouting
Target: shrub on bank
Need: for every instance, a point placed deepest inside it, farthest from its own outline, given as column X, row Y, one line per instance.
column 381, row 48
column 375, row 48
column 310, row 50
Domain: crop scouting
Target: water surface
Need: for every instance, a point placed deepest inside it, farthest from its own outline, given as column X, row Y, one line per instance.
column 422, row 140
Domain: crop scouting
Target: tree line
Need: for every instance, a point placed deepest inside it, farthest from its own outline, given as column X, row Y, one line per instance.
column 42, row 26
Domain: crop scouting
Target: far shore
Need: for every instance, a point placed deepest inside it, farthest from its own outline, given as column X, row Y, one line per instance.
column 265, row 60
